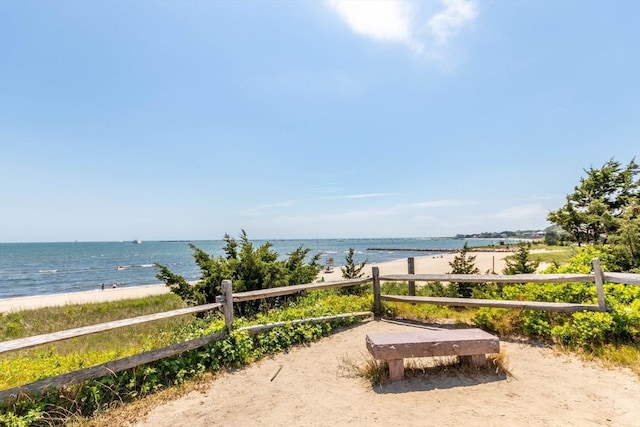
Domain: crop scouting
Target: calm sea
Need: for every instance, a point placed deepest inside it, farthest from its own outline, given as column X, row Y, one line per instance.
column 47, row 268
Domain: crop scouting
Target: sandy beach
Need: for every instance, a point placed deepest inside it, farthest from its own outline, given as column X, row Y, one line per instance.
column 485, row 261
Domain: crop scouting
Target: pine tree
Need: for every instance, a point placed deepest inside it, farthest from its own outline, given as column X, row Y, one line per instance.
column 350, row 270
column 353, row 271
column 519, row 262
column 463, row 264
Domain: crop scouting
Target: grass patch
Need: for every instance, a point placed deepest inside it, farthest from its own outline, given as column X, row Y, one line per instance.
column 554, row 255
column 609, row 355
column 29, row 365
column 377, row 371
column 27, row 323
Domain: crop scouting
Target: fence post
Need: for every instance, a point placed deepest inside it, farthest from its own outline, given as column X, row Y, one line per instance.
column 411, row 269
column 227, row 294
column 599, row 279
column 377, row 303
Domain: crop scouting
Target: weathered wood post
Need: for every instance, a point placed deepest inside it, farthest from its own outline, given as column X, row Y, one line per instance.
column 411, row 269
column 599, row 279
column 227, row 295
column 377, row 303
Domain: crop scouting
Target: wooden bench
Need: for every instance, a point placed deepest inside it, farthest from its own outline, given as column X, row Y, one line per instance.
column 470, row 345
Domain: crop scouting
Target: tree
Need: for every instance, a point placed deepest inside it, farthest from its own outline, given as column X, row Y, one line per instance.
column 519, row 262
column 592, row 212
column 353, row 271
column 463, row 264
column 350, row 270
column 554, row 235
column 247, row 267
column 624, row 244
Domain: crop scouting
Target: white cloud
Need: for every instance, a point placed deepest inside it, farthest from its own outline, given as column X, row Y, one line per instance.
column 448, row 22
column 378, row 19
column 401, row 20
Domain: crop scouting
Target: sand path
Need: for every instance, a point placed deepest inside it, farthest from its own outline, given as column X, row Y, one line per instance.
column 314, row 388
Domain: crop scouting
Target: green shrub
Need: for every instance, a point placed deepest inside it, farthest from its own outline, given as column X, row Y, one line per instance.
column 586, row 329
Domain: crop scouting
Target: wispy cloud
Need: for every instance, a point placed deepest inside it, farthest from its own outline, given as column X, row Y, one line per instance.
column 438, row 204
column 360, row 196
column 448, row 22
column 401, row 20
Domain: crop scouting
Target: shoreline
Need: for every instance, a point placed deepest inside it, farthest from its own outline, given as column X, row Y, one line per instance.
column 438, row 264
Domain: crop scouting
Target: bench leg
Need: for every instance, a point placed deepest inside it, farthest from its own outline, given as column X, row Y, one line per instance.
column 474, row 360
column 396, row 369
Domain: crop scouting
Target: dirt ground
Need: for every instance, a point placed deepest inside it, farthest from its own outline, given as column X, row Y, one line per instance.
column 314, row 386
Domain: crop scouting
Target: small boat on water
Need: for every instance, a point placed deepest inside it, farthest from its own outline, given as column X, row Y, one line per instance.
column 137, row 241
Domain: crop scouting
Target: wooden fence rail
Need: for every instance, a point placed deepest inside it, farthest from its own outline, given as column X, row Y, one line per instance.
column 598, row 277
column 288, row 290
column 35, row 340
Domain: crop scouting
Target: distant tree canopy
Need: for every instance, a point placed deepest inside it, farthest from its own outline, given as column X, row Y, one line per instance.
column 601, row 204
column 247, row 267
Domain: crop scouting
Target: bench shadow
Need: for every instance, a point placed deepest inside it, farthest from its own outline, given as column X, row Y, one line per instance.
column 437, row 381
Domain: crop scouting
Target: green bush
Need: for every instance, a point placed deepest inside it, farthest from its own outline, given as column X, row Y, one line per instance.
column 249, row 268
column 586, row 329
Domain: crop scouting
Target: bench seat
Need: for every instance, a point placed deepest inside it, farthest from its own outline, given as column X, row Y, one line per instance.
column 470, row 345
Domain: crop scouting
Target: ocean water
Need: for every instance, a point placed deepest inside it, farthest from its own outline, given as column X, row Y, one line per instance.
column 48, row 268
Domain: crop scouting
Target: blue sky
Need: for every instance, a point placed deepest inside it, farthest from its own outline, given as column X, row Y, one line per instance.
column 307, row 119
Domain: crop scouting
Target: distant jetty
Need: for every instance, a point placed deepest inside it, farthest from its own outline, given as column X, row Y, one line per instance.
column 414, row 249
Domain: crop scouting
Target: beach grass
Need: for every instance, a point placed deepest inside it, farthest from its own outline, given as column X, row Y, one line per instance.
column 26, row 323
column 554, row 254
column 377, row 371
column 24, row 366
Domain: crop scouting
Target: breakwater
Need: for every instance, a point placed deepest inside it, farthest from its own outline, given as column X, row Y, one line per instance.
column 415, row 249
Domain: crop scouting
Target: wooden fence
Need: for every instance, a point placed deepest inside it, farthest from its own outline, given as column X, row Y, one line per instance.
column 228, row 298
column 598, row 277
column 225, row 302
